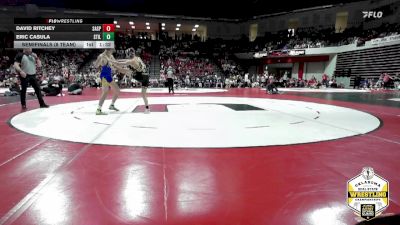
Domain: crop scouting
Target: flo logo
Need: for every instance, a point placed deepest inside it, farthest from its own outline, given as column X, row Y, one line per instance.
column 372, row 14
column 368, row 194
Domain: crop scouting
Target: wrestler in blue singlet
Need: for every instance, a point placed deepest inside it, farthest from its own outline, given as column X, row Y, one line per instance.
column 106, row 73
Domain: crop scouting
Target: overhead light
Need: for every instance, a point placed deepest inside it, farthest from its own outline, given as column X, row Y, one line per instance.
column 115, row 22
column 177, row 28
column 178, row 25
column 147, row 23
column 133, row 27
column 162, row 28
column 118, row 26
column 193, row 29
column 163, row 24
column 148, row 27
column 196, row 26
column 131, row 23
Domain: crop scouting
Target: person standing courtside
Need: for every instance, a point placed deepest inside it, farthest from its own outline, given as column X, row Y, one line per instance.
column 170, row 80
column 25, row 64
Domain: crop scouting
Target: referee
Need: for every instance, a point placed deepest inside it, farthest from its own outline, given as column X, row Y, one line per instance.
column 25, row 64
column 170, row 80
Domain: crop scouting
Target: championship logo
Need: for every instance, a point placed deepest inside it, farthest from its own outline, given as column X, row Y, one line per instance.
column 368, row 194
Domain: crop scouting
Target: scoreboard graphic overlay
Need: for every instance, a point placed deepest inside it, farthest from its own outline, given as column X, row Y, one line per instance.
column 64, row 33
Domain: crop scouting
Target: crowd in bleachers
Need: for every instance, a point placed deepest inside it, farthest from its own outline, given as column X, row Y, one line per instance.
column 5, row 67
column 190, row 65
column 309, row 37
column 263, row 80
column 187, row 65
column 7, row 77
column 385, row 81
column 62, row 62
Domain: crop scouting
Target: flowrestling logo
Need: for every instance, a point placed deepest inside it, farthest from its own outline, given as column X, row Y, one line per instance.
column 372, row 14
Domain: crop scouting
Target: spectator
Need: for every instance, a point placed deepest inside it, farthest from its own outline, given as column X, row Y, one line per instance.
column 357, row 82
column 387, row 80
column 325, row 80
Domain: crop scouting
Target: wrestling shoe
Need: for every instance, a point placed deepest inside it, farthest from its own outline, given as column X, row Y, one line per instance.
column 112, row 107
column 100, row 113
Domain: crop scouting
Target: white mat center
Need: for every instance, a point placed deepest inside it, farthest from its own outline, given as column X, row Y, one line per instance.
column 199, row 122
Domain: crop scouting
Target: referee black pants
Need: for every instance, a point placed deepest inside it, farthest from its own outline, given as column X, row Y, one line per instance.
column 170, row 85
column 30, row 79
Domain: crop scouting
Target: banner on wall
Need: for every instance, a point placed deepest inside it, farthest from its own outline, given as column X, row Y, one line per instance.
column 297, row 52
column 380, row 41
column 260, row 54
column 279, row 53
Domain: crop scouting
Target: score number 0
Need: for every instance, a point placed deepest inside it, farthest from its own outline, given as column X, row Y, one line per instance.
column 108, row 27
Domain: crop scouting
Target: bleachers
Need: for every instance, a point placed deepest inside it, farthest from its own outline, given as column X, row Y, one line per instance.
column 369, row 63
column 155, row 67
